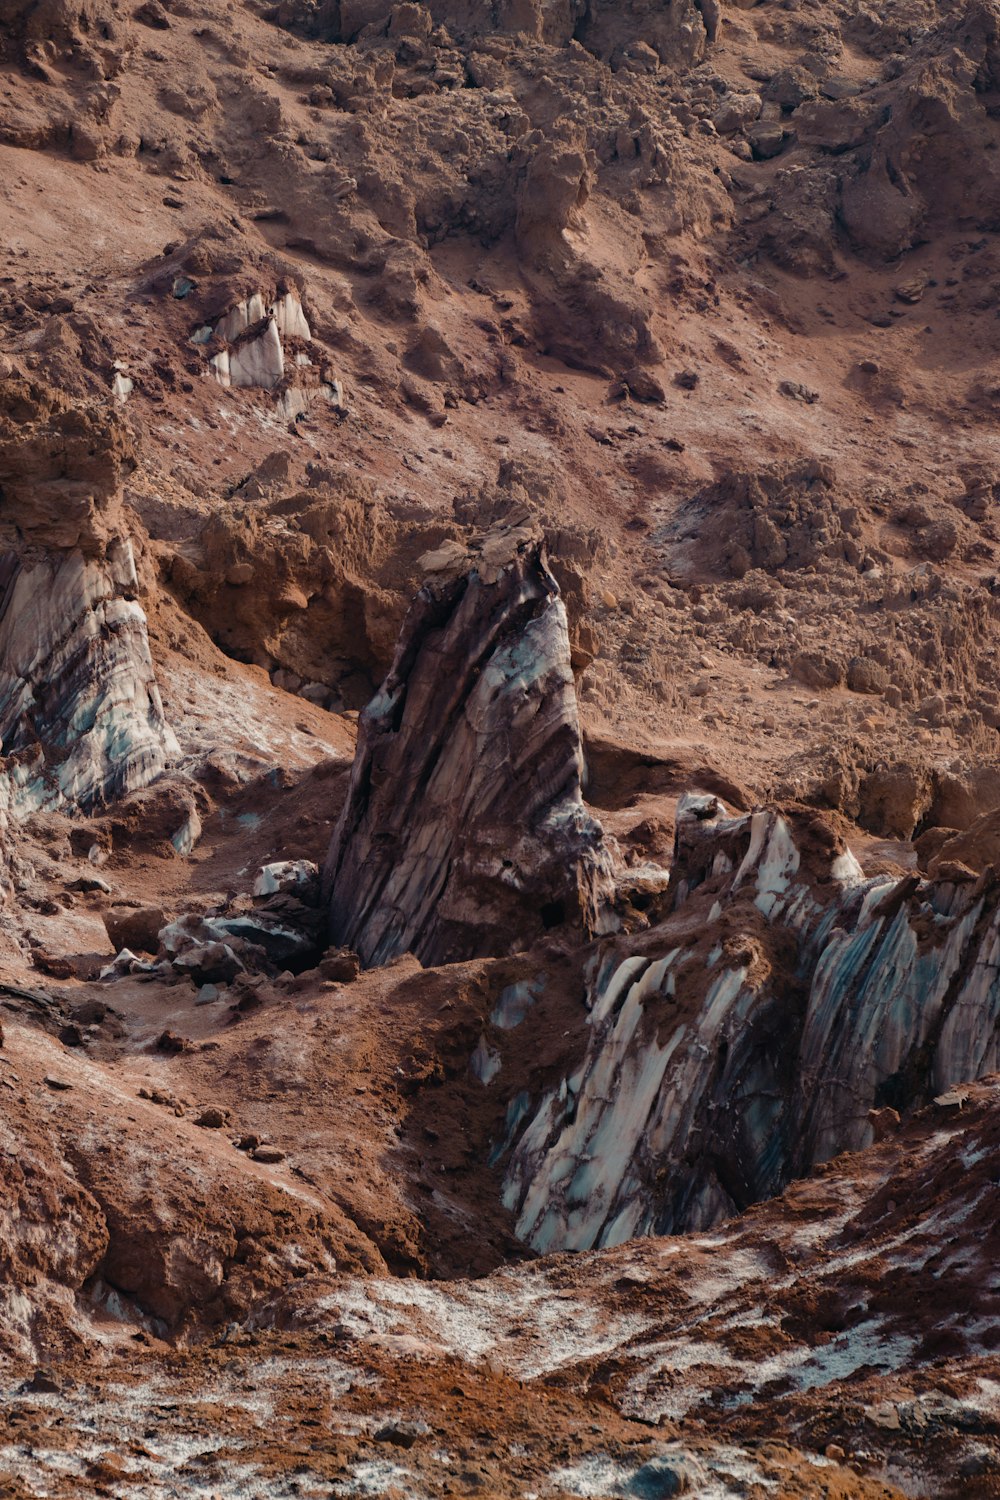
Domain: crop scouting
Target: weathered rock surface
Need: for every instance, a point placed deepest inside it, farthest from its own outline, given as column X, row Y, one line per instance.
column 279, row 935
column 717, row 287
column 313, row 584
column 81, row 719
column 62, row 466
column 80, row 713
column 746, row 1038
column 464, row 832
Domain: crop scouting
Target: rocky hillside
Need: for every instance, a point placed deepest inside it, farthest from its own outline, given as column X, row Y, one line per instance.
column 499, row 748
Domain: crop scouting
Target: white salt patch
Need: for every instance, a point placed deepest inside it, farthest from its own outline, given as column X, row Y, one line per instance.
column 592, row 1477
column 374, row 1477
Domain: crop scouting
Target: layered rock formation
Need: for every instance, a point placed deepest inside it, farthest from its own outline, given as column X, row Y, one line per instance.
column 464, row 833
column 80, row 713
column 748, row 1037
column 81, row 719
column 707, row 293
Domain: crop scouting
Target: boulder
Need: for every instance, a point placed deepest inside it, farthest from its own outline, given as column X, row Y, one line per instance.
column 864, row 675
column 817, row 669
column 736, row 112
column 215, row 948
column 137, row 928
column 834, row 125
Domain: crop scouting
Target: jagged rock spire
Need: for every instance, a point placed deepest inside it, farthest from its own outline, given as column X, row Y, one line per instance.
column 464, row 833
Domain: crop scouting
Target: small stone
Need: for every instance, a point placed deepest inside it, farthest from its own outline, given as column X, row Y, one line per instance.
column 884, row 1122
column 911, row 291
column 208, row 994
column 170, row 1042
column 953, row 1099
column 884, row 1415
column 396, row 1433
column 212, row 1118
column 766, row 140
column 796, row 391
column 608, row 599
column 109, row 1468
column 152, row 14
column 834, row 1452
column 340, row 966
column 268, row 1155
column 289, row 875
column 59, row 1084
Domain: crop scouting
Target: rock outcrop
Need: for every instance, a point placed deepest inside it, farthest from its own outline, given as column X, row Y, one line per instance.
column 81, row 719
column 748, row 1037
column 464, row 833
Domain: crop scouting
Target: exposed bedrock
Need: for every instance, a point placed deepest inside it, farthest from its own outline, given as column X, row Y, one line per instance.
column 464, row 834
column 80, row 714
column 748, row 1036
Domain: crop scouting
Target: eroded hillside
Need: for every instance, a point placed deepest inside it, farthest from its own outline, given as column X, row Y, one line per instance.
column 500, row 771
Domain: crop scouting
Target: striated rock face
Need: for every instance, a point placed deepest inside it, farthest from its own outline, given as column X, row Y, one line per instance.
column 464, row 833
column 746, row 1038
column 80, row 713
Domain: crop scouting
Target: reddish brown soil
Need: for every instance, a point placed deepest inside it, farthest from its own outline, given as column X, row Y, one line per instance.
column 751, row 398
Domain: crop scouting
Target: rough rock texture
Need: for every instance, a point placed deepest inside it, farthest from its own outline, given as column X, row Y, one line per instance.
column 81, row 720
column 312, row 585
column 292, row 294
column 62, row 467
column 748, row 1037
column 464, row 832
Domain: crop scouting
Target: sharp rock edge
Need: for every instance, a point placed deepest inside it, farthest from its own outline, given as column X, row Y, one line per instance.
column 81, row 720
column 746, row 1039
column 464, row 833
